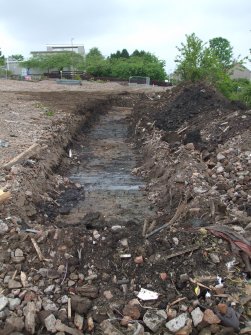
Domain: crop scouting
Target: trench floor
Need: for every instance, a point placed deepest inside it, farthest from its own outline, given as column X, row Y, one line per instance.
column 106, row 159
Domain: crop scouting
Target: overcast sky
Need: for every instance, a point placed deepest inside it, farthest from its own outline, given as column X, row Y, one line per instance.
column 157, row 26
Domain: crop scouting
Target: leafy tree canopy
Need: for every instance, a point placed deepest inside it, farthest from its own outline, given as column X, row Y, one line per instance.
column 94, row 54
column 17, row 57
column 55, row 60
column 120, row 54
column 223, row 51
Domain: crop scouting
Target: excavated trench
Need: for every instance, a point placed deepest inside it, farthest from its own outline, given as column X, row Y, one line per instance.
column 102, row 160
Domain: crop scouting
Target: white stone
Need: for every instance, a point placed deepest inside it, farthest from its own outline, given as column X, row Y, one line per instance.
column 13, row 303
column 220, row 157
column 49, row 305
column 78, row 321
column 3, row 227
column 50, row 323
column 3, row 302
column 220, row 169
column 49, row 289
column 176, row 324
column 197, row 316
column 214, row 258
column 19, row 253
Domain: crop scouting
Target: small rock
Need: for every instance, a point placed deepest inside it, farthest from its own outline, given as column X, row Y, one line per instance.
column 176, row 324
column 108, row 295
column 50, row 323
column 63, row 328
column 171, row 313
column 108, row 329
column 126, row 320
column 185, row 330
column 3, row 227
column 163, row 276
column 17, row 323
column 205, row 331
column 135, row 328
column 175, row 240
column 116, row 228
column 14, row 284
column 71, row 283
column 124, row 242
column 197, row 316
column 4, row 256
column 154, row 319
column 80, row 305
column 246, row 330
column 13, row 303
column 49, row 305
column 49, row 289
column 214, row 258
column 184, row 278
column 18, row 253
column 3, row 302
column 210, row 317
column 222, row 308
column 30, row 322
column 139, row 260
column 219, row 169
column 199, row 190
column 131, row 310
column 220, row 157
column 78, row 321
column 190, row 146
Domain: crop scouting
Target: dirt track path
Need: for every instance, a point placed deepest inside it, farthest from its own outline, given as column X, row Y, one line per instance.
column 105, row 162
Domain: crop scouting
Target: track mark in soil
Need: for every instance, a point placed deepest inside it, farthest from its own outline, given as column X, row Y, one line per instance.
column 106, row 160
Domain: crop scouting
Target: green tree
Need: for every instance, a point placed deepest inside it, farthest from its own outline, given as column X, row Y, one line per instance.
column 2, row 59
column 120, row 54
column 94, row 54
column 223, row 51
column 190, row 58
column 17, row 57
column 55, row 60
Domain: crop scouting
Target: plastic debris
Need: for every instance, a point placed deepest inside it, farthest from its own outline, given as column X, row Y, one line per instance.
column 125, row 256
column 208, row 295
column 145, row 295
column 197, row 290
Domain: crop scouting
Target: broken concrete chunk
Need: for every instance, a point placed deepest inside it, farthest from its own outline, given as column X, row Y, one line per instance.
column 78, row 321
column 3, row 302
column 80, row 305
column 109, row 329
column 63, row 328
column 3, row 227
column 176, row 324
column 154, row 319
column 197, row 316
column 17, row 323
column 30, row 313
column 14, row 284
column 50, row 323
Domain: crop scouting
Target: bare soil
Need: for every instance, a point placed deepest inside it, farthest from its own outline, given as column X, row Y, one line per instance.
column 102, row 179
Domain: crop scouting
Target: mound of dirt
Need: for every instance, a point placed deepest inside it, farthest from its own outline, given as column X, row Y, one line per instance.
column 189, row 101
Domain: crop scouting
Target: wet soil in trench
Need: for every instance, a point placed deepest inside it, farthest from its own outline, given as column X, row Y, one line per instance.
column 102, row 162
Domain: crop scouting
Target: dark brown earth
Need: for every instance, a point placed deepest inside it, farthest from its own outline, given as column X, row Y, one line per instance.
column 103, row 252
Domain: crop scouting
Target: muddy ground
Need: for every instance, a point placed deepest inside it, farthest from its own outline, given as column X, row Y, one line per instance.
column 113, row 190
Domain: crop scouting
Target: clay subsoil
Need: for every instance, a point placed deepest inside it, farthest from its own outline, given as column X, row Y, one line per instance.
column 109, row 190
